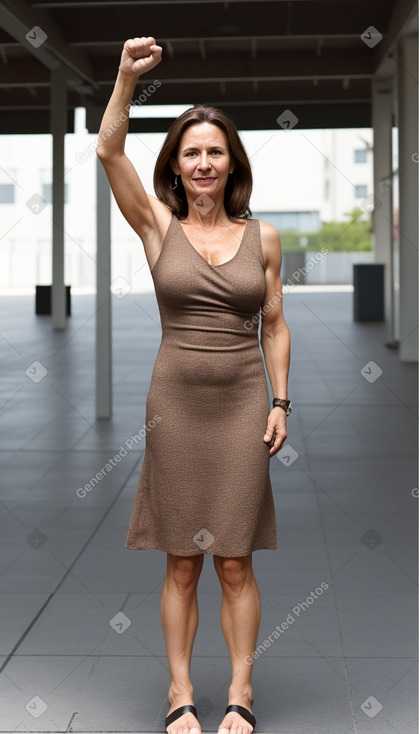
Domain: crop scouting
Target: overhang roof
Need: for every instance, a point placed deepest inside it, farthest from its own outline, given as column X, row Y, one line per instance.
column 254, row 59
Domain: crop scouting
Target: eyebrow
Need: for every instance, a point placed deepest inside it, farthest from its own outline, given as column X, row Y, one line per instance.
column 194, row 147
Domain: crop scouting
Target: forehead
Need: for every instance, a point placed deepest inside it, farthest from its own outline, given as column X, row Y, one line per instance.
column 203, row 133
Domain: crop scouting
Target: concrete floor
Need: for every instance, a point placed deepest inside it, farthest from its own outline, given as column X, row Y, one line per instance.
column 81, row 644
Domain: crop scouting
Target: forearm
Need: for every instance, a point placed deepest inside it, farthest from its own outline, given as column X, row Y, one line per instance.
column 115, row 121
column 276, row 351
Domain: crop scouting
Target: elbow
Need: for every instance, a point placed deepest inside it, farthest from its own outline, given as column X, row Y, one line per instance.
column 105, row 155
column 270, row 333
column 101, row 152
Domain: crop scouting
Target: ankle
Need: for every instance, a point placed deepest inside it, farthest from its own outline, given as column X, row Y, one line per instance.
column 180, row 692
column 242, row 695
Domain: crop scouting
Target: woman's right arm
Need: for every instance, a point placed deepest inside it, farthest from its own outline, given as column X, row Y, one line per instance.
column 148, row 216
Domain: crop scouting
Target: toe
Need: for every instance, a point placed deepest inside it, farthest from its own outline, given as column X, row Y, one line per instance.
column 186, row 724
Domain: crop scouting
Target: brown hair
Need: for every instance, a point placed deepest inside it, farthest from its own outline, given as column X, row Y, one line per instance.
column 239, row 184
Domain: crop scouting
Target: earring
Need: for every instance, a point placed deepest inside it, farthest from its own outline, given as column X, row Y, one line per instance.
column 175, row 186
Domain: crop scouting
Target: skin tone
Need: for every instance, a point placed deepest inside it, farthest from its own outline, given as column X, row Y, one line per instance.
column 203, row 162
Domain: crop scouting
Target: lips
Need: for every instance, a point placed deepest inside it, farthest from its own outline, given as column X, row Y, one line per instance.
column 205, row 178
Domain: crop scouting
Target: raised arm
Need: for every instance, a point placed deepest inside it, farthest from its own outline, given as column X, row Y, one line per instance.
column 148, row 216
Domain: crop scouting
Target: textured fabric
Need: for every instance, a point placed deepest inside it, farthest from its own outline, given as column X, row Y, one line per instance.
column 204, row 485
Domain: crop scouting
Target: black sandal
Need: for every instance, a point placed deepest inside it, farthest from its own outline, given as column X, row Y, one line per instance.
column 245, row 713
column 177, row 713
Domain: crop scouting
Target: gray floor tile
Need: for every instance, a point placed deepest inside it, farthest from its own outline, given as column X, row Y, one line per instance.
column 370, row 624
column 389, row 683
column 345, row 511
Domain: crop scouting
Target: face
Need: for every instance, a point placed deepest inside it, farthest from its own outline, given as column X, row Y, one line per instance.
column 203, row 160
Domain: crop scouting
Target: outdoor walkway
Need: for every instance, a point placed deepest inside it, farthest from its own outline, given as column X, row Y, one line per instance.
column 81, row 644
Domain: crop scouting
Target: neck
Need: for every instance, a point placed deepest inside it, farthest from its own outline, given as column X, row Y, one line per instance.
column 216, row 215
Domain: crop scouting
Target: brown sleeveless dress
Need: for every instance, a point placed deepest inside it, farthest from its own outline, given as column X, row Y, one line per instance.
column 204, row 485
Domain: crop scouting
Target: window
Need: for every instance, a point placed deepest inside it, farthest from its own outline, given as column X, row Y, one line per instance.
column 7, row 193
column 360, row 191
column 47, row 193
column 301, row 221
column 361, row 156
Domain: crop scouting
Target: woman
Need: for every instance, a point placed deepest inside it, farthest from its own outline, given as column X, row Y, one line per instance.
column 204, row 484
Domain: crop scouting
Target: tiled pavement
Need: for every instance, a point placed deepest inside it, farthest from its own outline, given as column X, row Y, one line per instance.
column 346, row 511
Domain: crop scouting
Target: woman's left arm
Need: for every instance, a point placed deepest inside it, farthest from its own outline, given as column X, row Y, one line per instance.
column 275, row 336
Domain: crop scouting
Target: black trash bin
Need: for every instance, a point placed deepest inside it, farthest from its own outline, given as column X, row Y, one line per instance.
column 43, row 299
column 368, row 292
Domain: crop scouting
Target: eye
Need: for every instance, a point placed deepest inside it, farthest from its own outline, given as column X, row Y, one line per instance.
column 214, row 152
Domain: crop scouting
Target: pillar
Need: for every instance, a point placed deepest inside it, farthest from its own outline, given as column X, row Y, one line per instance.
column 103, row 295
column 58, row 118
column 382, row 118
column 408, row 182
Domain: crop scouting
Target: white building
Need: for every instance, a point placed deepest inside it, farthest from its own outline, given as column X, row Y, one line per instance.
column 301, row 178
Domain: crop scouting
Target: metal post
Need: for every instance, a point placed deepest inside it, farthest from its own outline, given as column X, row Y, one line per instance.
column 58, row 130
column 382, row 115
column 103, row 296
column 408, row 167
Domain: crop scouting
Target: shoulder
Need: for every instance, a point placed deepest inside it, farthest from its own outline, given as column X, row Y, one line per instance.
column 270, row 241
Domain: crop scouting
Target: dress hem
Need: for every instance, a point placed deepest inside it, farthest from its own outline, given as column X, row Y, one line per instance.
column 205, row 552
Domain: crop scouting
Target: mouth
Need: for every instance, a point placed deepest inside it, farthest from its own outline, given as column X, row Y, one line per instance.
column 204, row 178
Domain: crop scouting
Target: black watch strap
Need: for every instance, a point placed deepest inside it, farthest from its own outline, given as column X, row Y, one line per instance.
column 284, row 404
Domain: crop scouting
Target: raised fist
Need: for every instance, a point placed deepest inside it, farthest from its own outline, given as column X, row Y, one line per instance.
column 139, row 56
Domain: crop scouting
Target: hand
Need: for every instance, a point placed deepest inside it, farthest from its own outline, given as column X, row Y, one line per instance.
column 139, row 56
column 276, row 430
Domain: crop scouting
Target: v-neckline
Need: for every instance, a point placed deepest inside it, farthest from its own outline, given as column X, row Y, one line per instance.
column 202, row 257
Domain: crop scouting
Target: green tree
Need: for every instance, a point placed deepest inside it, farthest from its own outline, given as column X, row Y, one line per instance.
column 353, row 235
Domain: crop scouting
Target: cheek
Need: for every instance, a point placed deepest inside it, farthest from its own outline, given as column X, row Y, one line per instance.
column 187, row 164
column 224, row 165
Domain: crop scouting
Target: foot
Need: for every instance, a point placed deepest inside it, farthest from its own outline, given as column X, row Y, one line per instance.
column 233, row 722
column 186, row 723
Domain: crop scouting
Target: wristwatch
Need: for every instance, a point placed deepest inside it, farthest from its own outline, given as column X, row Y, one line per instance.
column 284, row 404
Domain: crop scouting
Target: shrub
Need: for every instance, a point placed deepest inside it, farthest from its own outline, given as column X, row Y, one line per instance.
column 350, row 236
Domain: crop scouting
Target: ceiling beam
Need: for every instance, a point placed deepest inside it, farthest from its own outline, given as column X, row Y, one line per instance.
column 117, row 21
column 266, row 66
column 31, row 96
column 127, row 3
column 100, row 43
column 403, row 13
column 269, row 66
column 18, row 19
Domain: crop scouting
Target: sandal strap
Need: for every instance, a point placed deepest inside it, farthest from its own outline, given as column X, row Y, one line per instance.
column 245, row 713
column 177, row 713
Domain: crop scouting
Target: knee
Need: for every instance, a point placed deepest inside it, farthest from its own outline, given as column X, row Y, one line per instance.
column 232, row 572
column 184, row 571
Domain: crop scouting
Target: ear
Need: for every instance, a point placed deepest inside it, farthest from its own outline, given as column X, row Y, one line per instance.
column 174, row 166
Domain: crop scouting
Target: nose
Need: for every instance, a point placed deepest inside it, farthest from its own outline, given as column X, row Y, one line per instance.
column 204, row 163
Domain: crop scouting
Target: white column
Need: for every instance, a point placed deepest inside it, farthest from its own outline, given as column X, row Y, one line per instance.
column 408, row 180
column 382, row 114
column 103, row 295
column 58, row 118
